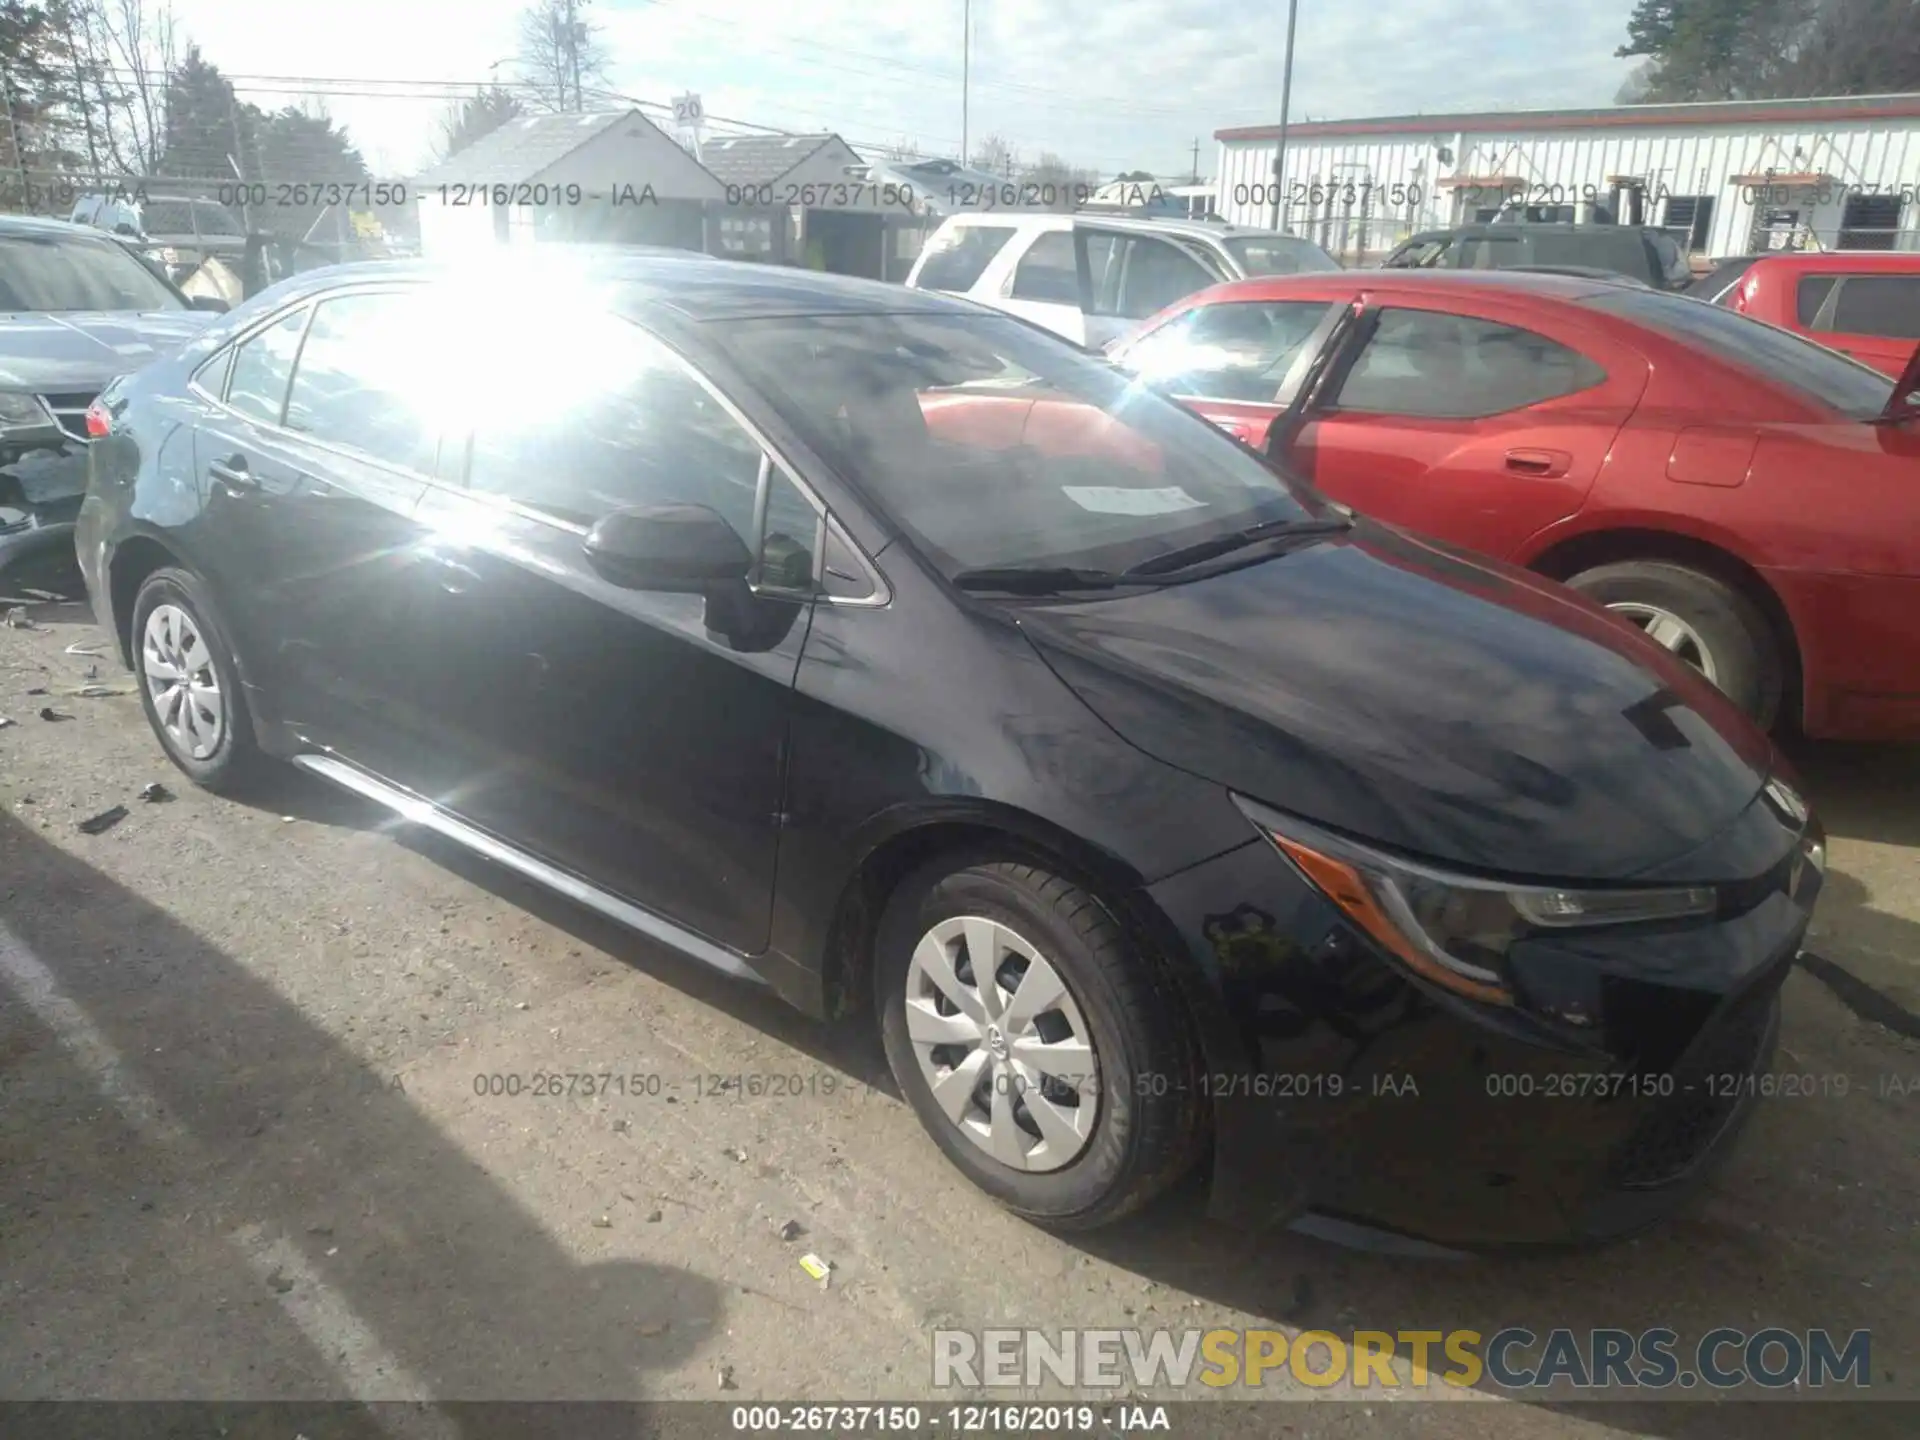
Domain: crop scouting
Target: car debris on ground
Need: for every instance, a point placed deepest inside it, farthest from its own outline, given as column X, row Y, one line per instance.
column 154, row 793
column 104, row 821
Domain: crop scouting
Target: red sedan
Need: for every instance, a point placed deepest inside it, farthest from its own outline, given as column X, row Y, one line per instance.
column 1750, row 499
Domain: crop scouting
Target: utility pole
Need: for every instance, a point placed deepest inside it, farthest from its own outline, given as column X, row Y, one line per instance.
column 966, row 66
column 573, row 53
column 1196, row 160
column 566, row 54
column 1286, row 96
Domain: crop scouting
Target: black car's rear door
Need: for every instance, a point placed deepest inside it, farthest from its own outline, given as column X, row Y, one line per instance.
column 313, row 461
column 635, row 739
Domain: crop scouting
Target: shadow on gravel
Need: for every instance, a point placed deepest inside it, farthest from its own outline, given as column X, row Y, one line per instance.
column 852, row 1048
column 1810, row 1225
column 277, row 1185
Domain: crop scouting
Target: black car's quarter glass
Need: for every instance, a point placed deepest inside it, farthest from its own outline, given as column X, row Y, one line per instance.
column 1005, row 695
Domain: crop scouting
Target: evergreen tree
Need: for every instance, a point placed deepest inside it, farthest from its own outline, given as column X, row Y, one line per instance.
column 480, row 114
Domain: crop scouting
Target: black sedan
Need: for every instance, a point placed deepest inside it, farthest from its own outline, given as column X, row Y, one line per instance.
column 886, row 651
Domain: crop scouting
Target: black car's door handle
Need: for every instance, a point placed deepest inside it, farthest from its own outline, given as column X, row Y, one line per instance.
column 233, row 473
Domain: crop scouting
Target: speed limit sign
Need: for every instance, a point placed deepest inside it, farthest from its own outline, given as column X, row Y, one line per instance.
column 687, row 110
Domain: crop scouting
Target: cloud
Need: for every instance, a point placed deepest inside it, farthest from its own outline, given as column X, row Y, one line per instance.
column 1105, row 83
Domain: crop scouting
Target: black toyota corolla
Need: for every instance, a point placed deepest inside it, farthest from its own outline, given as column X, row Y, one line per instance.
column 888, row 652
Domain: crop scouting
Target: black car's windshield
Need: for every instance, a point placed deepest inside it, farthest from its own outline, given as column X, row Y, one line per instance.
column 997, row 447
column 61, row 272
column 1784, row 358
column 1278, row 255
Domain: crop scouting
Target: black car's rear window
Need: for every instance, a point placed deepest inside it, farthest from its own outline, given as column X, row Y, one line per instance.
column 1779, row 356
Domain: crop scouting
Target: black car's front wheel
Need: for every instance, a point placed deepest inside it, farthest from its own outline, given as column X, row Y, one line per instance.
column 1033, row 1042
column 189, row 684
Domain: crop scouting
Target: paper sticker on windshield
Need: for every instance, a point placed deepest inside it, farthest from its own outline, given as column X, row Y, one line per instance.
column 1124, row 500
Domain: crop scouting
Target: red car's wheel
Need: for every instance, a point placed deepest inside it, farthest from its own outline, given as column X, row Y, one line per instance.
column 1702, row 620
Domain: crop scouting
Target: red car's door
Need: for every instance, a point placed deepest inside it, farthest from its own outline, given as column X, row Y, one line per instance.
column 1237, row 362
column 1475, row 420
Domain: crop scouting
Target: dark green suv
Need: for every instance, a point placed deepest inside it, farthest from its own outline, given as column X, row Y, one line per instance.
column 1639, row 252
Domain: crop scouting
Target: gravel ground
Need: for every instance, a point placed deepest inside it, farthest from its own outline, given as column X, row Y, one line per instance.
column 243, row 1152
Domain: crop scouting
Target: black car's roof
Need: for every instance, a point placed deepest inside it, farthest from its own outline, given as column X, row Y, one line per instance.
column 698, row 287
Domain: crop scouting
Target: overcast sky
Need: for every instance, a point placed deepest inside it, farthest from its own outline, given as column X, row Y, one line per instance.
column 1109, row 84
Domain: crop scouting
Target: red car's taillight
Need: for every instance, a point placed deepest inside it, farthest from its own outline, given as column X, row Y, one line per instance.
column 99, row 421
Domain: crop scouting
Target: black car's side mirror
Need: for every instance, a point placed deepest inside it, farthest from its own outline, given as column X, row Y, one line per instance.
column 209, row 302
column 676, row 549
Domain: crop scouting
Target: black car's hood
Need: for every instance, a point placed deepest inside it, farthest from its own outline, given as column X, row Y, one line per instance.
column 1441, row 705
column 48, row 353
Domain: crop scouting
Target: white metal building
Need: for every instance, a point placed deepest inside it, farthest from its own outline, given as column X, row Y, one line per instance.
column 1726, row 178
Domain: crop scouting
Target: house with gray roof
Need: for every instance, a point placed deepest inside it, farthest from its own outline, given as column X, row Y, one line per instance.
column 610, row 176
column 811, row 200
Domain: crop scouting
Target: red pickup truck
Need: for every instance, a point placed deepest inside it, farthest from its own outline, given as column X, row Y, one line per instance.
column 1863, row 302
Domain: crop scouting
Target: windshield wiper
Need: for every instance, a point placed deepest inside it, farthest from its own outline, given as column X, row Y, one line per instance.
column 1036, row 579
column 1203, row 550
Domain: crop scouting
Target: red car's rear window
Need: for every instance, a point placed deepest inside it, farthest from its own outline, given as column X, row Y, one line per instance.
column 1778, row 355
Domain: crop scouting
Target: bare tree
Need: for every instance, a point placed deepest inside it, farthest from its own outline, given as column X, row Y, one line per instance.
column 123, row 54
column 902, row 149
column 1857, row 47
column 92, row 118
column 1062, row 184
column 995, row 156
column 561, row 51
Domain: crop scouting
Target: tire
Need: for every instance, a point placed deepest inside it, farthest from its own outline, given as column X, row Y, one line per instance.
column 1742, row 656
column 1146, row 1124
column 225, row 757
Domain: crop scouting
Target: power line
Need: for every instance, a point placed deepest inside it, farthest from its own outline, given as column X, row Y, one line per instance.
column 443, row 91
column 893, row 64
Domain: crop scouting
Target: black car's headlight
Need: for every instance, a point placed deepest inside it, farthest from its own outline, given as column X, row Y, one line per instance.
column 1455, row 930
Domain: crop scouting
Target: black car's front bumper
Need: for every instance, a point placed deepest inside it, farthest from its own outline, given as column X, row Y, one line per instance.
column 1366, row 1094
column 40, row 494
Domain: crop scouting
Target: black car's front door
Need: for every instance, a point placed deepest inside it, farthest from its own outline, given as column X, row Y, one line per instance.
column 313, row 465
column 635, row 739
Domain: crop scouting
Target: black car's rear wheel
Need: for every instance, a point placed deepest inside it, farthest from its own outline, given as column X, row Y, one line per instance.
column 1703, row 621
column 1032, row 1041
column 189, row 685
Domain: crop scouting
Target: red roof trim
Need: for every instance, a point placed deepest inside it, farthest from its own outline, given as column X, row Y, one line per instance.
column 1898, row 107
